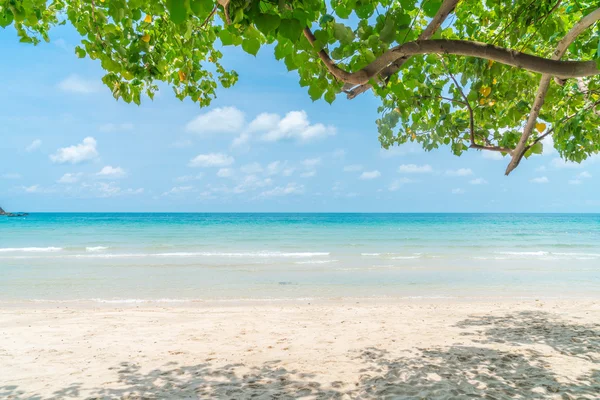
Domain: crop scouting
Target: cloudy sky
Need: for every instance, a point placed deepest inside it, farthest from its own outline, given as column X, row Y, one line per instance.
column 263, row 145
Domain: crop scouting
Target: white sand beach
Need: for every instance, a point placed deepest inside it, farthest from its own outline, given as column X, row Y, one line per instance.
column 347, row 350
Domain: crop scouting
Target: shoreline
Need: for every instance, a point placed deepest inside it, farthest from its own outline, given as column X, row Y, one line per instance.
column 199, row 303
column 346, row 350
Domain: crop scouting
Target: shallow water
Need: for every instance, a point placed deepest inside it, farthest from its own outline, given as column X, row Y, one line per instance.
column 182, row 257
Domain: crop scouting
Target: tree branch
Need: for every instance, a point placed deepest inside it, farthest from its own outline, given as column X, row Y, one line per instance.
column 445, row 9
column 561, row 48
column 562, row 69
column 472, row 119
column 550, row 131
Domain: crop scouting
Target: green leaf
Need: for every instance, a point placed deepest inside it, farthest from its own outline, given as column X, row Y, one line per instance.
column 201, row 8
column 315, row 91
column 388, row 32
column 290, row 29
column 431, row 7
column 6, row 18
column 226, row 37
column 251, row 46
column 289, row 62
column 267, row 23
column 330, row 96
column 283, row 48
column 177, row 10
column 325, row 19
column 342, row 33
column 80, row 52
column 537, row 148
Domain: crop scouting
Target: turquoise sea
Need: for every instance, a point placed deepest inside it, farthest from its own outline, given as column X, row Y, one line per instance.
column 178, row 257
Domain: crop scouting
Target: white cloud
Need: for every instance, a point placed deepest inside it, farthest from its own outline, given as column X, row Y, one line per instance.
column 289, row 189
column 584, row 174
column 353, row 168
column 398, row 183
column 76, row 154
column 279, row 167
column 578, row 180
column 264, row 122
column 458, row 191
column 478, row 181
column 111, row 172
column 211, row 160
column 70, row 178
column 241, row 140
column 311, row 162
column 541, row 179
column 252, row 182
column 560, row 163
column 219, row 120
column 32, row 189
column 252, row 168
column 76, row 84
column 368, row 175
column 109, row 128
column 225, row 173
column 188, row 178
column 34, row 145
column 177, row 190
column 459, row 172
column 295, row 125
column 308, row 174
column 492, row 155
column 414, row 169
column 548, row 146
column 11, row 175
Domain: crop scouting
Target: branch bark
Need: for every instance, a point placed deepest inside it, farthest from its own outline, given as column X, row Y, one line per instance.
column 562, row 69
column 445, row 9
column 562, row 47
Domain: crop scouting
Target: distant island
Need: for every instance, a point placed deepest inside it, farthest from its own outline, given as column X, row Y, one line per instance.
column 7, row 214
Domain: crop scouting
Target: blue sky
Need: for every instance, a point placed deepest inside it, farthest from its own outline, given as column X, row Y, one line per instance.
column 262, row 145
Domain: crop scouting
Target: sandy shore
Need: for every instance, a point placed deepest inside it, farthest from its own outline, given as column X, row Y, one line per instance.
column 349, row 350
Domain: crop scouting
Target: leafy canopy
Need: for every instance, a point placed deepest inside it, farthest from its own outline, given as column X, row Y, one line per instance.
column 434, row 98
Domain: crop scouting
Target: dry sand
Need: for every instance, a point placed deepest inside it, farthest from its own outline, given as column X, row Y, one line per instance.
column 346, row 350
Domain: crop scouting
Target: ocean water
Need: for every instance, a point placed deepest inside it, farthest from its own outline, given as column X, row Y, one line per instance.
column 178, row 257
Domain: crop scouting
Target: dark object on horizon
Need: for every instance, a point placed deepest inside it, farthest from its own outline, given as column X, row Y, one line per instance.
column 2, row 212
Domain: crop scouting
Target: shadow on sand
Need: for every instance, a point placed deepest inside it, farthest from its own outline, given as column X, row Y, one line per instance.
column 455, row 372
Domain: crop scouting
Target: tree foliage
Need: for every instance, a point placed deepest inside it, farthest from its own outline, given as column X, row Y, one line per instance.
column 448, row 72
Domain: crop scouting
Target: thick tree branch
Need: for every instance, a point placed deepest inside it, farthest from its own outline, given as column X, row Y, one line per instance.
column 562, row 69
column 445, row 9
column 561, row 48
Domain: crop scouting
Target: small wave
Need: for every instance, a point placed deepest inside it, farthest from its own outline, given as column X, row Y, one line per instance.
column 30, row 249
column 316, row 262
column 262, row 254
column 523, row 253
column 404, row 257
column 137, row 301
column 96, row 248
column 394, row 256
column 265, row 254
column 548, row 255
